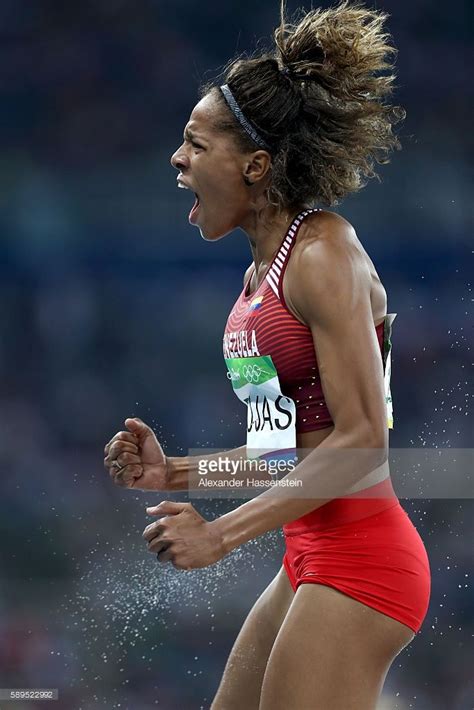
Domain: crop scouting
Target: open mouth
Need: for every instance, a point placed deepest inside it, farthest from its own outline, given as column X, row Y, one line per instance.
column 195, row 207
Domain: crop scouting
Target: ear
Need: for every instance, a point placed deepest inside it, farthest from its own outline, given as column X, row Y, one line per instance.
column 256, row 167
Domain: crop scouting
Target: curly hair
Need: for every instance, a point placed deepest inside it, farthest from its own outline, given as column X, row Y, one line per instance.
column 319, row 100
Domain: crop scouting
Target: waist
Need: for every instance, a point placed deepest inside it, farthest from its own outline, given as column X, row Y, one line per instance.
column 347, row 509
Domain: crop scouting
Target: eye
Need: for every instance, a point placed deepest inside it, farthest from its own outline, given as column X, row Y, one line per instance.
column 196, row 145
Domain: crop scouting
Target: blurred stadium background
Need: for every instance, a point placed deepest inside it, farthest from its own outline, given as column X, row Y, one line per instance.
column 105, row 290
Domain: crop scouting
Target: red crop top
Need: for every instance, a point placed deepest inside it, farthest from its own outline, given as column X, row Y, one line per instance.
column 260, row 324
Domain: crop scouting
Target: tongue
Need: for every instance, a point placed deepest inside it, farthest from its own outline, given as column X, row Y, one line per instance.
column 194, row 210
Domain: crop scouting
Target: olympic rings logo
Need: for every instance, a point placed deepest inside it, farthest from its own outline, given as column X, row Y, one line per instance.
column 251, row 373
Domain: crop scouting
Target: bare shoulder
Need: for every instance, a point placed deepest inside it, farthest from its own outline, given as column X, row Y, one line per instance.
column 329, row 259
column 327, row 242
column 326, row 228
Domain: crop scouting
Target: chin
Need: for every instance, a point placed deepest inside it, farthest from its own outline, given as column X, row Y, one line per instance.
column 213, row 235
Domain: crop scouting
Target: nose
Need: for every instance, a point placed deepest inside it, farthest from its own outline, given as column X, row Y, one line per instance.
column 179, row 159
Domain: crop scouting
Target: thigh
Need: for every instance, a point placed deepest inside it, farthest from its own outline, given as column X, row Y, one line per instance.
column 242, row 680
column 332, row 653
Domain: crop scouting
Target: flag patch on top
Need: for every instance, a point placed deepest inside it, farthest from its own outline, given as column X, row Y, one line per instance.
column 256, row 304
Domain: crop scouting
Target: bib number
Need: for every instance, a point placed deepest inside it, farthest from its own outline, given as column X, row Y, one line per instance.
column 271, row 416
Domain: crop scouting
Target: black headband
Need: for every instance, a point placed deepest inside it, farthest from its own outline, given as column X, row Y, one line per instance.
column 248, row 127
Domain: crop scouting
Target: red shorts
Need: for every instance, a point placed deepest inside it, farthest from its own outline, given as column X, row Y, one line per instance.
column 366, row 548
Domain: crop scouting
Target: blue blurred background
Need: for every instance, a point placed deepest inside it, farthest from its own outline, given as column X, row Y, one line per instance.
column 113, row 306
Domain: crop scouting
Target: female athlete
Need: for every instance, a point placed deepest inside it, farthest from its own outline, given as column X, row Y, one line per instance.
column 307, row 349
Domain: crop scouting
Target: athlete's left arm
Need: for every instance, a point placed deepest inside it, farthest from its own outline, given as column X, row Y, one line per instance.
column 332, row 294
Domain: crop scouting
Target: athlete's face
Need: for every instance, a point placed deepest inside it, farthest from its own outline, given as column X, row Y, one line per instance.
column 211, row 165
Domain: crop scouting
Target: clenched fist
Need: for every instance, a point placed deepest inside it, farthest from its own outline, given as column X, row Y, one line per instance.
column 135, row 459
column 183, row 537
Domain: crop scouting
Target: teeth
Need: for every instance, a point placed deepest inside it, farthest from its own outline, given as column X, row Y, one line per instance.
column 183, row 187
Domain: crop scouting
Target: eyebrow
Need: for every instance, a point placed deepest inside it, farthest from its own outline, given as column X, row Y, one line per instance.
column 189, row 135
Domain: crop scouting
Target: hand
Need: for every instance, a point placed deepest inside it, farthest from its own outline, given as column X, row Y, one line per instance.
column 182, row 536
column 135, row 459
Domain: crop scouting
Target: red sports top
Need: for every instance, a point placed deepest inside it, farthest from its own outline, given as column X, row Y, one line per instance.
column 261, row 324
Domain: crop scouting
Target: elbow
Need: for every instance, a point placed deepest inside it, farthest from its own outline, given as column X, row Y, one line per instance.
column 373, row 437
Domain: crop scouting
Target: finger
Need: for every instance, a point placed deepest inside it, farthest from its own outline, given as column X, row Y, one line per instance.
column 153, row 530
column 166, row 555
column 121, row 460
column 112, row 465
column 167, row 507
column 120, row 446
column 121, row 436
column 126, row 476
column 127, row 459
column 120, row 442
column 136, row 425
column 158, row 545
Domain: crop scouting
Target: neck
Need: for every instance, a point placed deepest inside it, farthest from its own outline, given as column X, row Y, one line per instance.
column 266, row 230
